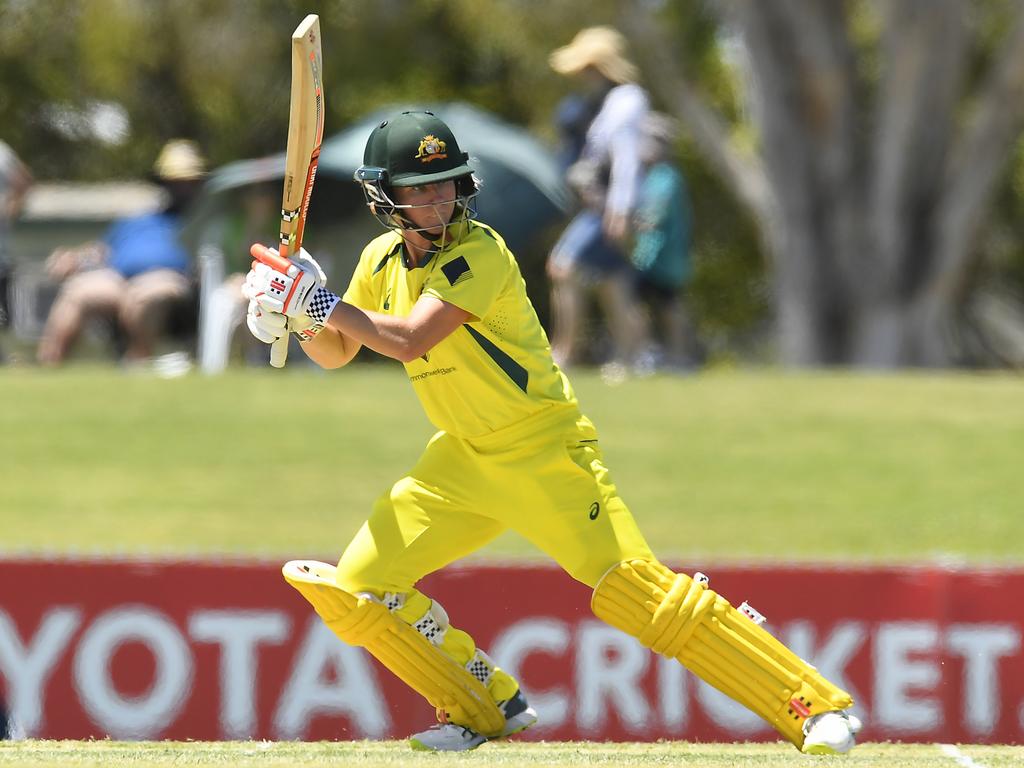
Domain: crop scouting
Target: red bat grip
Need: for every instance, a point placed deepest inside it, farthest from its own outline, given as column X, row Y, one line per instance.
column 271, row 259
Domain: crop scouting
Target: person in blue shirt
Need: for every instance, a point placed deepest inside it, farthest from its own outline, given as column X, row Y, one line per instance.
column 136, row 276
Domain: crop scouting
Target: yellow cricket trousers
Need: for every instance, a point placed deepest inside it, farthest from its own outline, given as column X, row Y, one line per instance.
column 543, row 477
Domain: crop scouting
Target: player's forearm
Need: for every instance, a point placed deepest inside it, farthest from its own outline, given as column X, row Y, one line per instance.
column 330, row 349
column 394, row 337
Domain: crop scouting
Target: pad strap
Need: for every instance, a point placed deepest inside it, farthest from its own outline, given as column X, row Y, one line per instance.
column 681, row 618
column 366, row 622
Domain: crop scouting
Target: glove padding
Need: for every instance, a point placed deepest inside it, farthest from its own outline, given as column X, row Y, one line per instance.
column 268, row 327
column 263, row 317
column 288, row 294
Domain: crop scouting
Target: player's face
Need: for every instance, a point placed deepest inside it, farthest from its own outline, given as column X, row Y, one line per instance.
column 592, row 80
column 432, row 205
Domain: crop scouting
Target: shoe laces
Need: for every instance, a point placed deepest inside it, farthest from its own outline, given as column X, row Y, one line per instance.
column 443, row 722
column 465, row 732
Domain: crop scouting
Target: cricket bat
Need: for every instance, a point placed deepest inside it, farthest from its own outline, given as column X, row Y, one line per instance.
column 305, row 134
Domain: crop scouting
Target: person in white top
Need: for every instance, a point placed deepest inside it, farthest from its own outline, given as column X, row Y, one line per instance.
column 606, row 177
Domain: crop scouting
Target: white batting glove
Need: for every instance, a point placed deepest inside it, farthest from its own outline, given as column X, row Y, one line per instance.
column 299, row 292
column 268, row 327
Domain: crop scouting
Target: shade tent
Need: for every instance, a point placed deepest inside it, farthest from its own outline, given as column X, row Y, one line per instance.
column 522, row 187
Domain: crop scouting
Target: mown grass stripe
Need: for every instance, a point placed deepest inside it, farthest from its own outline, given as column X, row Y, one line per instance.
column 951, row 751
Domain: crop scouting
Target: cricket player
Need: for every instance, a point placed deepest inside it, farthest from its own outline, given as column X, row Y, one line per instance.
column 442, row 293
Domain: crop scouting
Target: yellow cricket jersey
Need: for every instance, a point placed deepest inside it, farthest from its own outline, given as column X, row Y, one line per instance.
column 494, row 371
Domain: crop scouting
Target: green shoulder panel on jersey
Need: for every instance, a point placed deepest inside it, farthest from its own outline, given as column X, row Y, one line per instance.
column 519, row 375
column 383, row 262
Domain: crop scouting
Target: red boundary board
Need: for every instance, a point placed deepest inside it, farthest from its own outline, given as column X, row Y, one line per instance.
column 212, row 650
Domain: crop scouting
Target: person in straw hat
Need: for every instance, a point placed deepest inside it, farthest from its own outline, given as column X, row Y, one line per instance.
column 590, row 254
column 136, row 276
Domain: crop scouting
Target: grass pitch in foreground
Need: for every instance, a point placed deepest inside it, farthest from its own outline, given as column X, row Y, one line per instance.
column 396, row 754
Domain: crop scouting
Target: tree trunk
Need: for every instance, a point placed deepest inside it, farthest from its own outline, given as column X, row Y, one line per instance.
column 973, row 169
column 923, row 54
column 802, row 94
column 868, row 206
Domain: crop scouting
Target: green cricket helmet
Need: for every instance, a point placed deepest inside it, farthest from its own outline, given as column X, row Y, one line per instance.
column 413, row 149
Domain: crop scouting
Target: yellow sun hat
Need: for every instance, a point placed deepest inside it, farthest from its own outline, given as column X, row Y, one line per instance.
column 180, row 160
column 600, row 47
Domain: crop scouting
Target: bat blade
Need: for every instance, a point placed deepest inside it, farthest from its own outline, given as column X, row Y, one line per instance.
column 305, row 135
column 305, row 131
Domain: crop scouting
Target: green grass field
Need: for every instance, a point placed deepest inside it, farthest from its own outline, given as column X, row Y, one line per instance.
column 394, row 754
column 727, row 465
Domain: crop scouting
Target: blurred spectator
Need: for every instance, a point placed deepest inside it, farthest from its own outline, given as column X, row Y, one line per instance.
column 590, row 253
column 15, row 179
column 137, row 276
column 573, row 116
column 661, row 247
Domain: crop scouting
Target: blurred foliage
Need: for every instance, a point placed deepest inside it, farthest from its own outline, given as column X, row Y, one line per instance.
column 1002, row 241
column 728, row 294
column 218, row 71
column 1003, row 265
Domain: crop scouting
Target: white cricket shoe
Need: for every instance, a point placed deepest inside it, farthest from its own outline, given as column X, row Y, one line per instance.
column 830, row 733
column 447, row 737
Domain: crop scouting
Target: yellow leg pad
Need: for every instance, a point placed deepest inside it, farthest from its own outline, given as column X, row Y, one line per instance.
column 681, row 618
column 367, row 623
column 459, row 645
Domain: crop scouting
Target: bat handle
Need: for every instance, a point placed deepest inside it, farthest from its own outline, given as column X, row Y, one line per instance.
column 279, row 352
column 273, row 260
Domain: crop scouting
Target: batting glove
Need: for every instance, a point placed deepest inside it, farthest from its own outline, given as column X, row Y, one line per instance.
column 295, row 294
column 268, row 327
